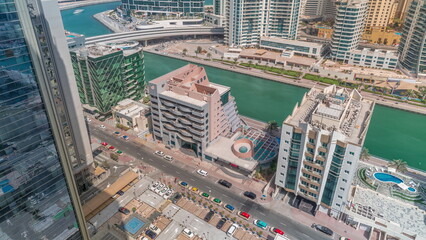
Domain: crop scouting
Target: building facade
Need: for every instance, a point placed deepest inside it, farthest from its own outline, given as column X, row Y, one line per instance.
column 348, row 28
column 109, row 73
column 43, row 136
column 246, row 21
column 376, row 35
column 321, row 143
column 134, row 115
column 373, row 58
column 326, row 9
column 380, row 14
column 308, row 49
column 401, row 8
column 179, row 7
column 412, row 48
column 189, row 112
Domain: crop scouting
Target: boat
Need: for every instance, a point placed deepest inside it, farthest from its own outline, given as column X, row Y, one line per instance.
column 77, row 11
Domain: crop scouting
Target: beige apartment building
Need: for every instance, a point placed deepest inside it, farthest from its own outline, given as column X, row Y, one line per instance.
column 189, row 112
column 133, row 114
column 380, row 13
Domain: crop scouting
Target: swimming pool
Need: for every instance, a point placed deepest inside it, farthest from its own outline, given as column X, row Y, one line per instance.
column 411, row 189
column 134, row 225
column 385, row 177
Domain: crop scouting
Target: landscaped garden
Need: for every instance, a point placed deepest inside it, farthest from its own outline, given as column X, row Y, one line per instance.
column 273, row 69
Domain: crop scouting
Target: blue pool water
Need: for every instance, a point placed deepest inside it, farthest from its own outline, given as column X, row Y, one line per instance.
column 384, row 177
column 411, row 189
column 243, row 149
column 134, row 225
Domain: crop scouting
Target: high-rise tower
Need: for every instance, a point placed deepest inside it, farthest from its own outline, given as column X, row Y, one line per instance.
column 248, row 20
column 412, row 48
column 43, row 136
column 348, row 27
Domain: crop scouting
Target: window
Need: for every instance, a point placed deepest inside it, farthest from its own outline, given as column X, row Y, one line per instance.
column 322, row 154
column 311, row 140
column 352, row 153
column 344, row 180
column 286, row 141
column 337, row 204
column 288, row 133
column 282, row 174
column 324, row 145
column 349, row 162
column 346, row 171
column 342, row 189
column 340, row 197
column 285, row 150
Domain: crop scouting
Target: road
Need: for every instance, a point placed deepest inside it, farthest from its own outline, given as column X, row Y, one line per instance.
column 292, row 228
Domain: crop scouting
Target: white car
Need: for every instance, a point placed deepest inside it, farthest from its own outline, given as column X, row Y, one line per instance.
column 202, row 172
column 188, row 233
column 154, row 186
column 159, row 153
column 102, row 126
column 155, row 229
column 231, row 230
column 88, row 120
column 168, row 158
column 159, row 188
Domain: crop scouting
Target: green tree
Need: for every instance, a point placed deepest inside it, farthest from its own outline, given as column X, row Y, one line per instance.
column 422, row 93
column 235, row 60
column 184, row 51
column 209, row 55
column 272, row 126
column 399, row 165
column 250, row 62
column 199, row 49
column 365, row 154
column 113, row 156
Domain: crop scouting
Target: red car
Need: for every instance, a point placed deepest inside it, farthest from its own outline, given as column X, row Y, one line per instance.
column 244, row 214
column 277, row 231
column 111, row 147
column 104, row 144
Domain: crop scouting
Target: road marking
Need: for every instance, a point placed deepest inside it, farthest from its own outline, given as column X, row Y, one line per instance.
column 177, row 172
column 283, row 224
column 192, row 179
column 163, row 165
column 224, row 195
column 208, row 187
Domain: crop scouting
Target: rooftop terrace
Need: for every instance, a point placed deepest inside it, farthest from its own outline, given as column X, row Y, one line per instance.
column 334, row 109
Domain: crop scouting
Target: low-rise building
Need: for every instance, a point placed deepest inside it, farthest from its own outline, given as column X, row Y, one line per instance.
column 189, row 112
column 133, row 114
column 373, row 58
column 108, row 73
column 376, row 35
column 321, row 143
column 215, row 20
column 303, row 48
column 324, row 32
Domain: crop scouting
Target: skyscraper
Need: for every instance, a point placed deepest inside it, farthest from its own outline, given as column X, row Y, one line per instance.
column 412, row 48
column 321, row 143
column 43, row 136
column 109, row 73
column 326, row 9
column 348, row 27
column 248, row 20
column 380, row 14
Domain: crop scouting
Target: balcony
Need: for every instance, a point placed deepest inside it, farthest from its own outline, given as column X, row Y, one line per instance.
column 184, row 121
column 168, row 115
column 314, row 165
column 169, row 127
column 184, row 109
column 168, row 104
column 185, row 133
column 198, row 120
column 176, row 112
column 198, row 114
column 197, row 132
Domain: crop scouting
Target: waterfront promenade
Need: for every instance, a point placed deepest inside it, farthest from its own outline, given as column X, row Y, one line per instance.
column 64, row 5
column 301, row 83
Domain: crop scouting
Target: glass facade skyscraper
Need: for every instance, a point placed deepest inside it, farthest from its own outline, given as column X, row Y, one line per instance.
column 43, row 139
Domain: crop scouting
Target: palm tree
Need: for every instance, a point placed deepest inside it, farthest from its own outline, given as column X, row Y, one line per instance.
column 250, row 62
column 184, row 51
column 411, row 94
column 422, row 93
column 222, row 58
column 199, row 49
column 365, row 154
column 209, row 55
column 235, row 60
column 399, row 165
column 272, row 126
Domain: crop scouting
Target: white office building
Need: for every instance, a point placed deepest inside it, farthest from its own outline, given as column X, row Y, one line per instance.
column 321, row 143
column 375, row 58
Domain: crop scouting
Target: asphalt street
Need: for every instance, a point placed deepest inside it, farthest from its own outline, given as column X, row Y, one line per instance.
column 293, row 229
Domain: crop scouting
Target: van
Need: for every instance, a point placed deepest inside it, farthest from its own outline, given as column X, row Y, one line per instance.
column 209, row 216
column 232, row 230
column 260, row 224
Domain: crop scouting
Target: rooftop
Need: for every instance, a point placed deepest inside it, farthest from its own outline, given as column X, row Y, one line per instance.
column 334, row 109
column 103, row 49
column 292, row 42
column 183, row 98
column 131, row 108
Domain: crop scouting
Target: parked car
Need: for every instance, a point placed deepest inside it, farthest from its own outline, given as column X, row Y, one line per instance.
column 111, row 147
column 188, row 233
column 102, row 126
column 104, row 144
column 126, row 137
column 217, row 201
column 244, row 214
column 194, row 189
column 154, row 228
column 183, row 184
column 229, row 207
column 151, row 234
column 250, row 195
column 206, row 195
column 177, row 197
column 159, row 153
column 225, row 183
column 323, row 229
column 117, row 133
column 154, row 186
column 209, row 216
column 231, row 230
column 221, row 222
column 168, row 158
column 344, row 238
column 276, row 231
column 260, row 223
column 124, row 210
column 168, row 194
column 88, row 120
column 121, row 193
column 202, row 172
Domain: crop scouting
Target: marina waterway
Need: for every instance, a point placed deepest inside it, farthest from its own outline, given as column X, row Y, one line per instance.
column 393, row 133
